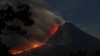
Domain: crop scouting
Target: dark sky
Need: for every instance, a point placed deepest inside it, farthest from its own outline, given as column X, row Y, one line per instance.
column 83, row 13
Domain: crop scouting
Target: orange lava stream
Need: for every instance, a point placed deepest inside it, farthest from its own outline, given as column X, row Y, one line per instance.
column 53, row 30
column 23, row 49
column 33, row 45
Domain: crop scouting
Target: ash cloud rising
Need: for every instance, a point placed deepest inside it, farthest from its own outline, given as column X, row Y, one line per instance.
column 45, row 21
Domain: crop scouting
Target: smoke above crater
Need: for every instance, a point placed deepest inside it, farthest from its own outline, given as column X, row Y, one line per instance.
column 45, row 25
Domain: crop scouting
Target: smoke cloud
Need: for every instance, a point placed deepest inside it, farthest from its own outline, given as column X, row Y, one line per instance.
column 45, row 20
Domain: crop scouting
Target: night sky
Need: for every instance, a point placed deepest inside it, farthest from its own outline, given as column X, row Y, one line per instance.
column 85, row 14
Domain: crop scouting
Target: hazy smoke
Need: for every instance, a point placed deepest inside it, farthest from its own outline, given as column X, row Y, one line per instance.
column 44, row 21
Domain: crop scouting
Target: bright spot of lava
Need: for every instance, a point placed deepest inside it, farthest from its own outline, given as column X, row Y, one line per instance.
column 53, row 30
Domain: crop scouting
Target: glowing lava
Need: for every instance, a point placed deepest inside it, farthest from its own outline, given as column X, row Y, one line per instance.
column 33, row 45
column 53, row 30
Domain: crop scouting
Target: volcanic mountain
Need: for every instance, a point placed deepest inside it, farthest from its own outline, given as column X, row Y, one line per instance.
column 68, row 38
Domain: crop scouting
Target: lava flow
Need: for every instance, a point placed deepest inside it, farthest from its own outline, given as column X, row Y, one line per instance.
column 53, row 30
column 33, row 45
column 24, row 49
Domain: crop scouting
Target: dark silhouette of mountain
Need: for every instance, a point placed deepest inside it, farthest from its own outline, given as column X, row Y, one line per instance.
column 79, row 39
column 74, row 38
column 69, row 40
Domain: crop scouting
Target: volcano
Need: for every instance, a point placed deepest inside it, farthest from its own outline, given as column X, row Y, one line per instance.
column 68, row 38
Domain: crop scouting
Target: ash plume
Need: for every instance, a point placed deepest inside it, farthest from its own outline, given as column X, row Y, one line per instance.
column 43, row 18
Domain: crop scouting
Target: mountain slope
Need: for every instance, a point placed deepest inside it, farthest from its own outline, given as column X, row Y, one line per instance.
column 68, row 39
